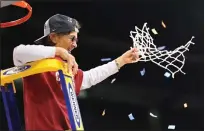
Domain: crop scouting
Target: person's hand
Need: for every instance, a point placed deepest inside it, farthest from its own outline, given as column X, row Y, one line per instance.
column 128, row 57
column 72, row 64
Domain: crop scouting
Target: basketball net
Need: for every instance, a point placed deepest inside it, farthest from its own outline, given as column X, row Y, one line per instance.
column 173, row 61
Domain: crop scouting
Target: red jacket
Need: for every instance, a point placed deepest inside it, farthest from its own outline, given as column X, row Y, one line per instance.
column 44, row 104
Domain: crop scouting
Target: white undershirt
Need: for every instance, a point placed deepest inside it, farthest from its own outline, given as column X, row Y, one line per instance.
column 28, row 53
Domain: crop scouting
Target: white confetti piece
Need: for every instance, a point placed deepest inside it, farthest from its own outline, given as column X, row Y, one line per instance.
column 103, row 113
column 167, row 74
column 113, row 80
column 106, row 59
column 131, row 117
column 142, row 72
column 161, row 47
column 154, row 31
column 152, row 115
column 185, row 105
column 171, row 127
column 163, row 24
column 83, row 94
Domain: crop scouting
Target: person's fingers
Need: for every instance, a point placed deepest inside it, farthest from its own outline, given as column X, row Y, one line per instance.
column 133, row 49
column 65, row 55
column 75, row 68
column 70, row 65
column 129, row 52
column 133, row 58
column 137, row 50
column 135, row 54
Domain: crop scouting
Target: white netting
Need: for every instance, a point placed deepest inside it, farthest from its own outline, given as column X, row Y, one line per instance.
column 173, row 61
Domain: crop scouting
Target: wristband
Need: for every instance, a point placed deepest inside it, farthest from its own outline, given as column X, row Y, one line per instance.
column 118, row 65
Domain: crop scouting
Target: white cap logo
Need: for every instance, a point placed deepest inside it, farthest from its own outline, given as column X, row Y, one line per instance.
column 70, row 20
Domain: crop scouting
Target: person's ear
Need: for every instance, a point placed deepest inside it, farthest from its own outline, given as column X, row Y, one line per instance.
column 53, row 37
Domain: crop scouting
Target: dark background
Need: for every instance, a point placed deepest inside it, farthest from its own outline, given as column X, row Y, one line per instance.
column 105, row 33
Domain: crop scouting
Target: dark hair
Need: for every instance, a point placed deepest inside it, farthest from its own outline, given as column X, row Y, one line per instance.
column 49, row 42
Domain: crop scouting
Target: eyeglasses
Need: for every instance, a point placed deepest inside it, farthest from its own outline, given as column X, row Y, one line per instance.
column 73, row 38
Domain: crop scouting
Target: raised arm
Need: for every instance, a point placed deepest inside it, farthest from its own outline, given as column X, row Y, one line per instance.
column 23, row 54
column 100, row 73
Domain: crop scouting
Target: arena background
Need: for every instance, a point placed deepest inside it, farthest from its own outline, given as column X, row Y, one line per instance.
column 105, row 34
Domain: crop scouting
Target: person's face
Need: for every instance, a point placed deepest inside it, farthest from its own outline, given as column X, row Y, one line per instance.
column 67, row 41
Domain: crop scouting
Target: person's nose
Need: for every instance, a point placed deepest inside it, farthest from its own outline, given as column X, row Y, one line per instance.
column 75, row 44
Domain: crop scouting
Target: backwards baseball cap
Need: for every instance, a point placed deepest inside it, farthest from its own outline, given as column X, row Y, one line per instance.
column 58, row 24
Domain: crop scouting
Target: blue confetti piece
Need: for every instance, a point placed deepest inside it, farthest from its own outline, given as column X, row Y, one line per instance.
column 167, row 74
column 131, row 117
column 161, row 47
column 142, row 72
column 106, row 59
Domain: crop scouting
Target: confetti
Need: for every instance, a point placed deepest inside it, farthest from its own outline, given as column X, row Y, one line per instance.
column 163, row 24
column 103, row 113
column 171, row 127
column 185, row 105
column 113, row 80
column 131, row 117
column 106, row 59
column 161, row 47
column 142, row 72
column 167, row 74
column 152, row 115
column 154, row 31
column 83, row 94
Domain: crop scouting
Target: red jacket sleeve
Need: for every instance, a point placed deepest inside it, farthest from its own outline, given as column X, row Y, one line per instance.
column 78, row 78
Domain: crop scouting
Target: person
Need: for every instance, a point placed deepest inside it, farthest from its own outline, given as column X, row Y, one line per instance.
column 44, row 104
